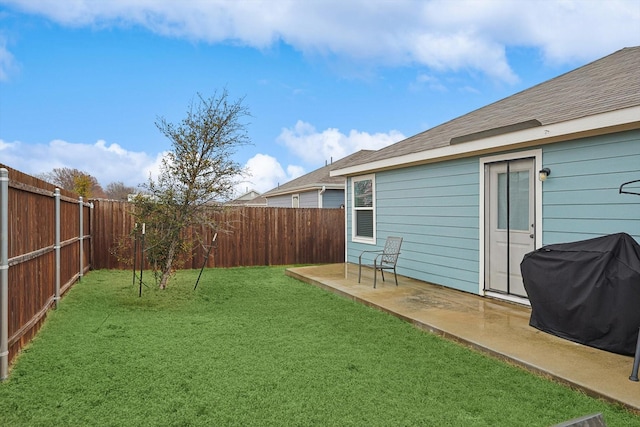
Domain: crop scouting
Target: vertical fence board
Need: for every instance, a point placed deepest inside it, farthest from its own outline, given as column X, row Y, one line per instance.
column 248, row 236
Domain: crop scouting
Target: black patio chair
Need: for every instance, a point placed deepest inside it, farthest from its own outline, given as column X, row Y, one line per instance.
column 385, row 259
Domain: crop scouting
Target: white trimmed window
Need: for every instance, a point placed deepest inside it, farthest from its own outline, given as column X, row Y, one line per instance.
column 363, row 204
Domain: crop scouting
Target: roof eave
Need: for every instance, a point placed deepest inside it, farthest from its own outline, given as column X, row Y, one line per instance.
column 618, row 121
column 302, row 189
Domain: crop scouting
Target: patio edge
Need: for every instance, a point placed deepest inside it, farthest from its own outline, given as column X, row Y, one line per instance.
column 467, row 343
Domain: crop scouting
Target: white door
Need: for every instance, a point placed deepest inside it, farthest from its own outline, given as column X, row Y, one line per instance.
column 509, row 223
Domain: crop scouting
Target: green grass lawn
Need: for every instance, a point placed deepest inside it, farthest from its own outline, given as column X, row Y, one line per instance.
column 253, row 347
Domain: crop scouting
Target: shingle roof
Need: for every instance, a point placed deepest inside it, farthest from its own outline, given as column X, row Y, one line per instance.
column 608, row 84
column 319, row 177
column 258, row 201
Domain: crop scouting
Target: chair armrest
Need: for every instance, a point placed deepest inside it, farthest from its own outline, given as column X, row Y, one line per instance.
column 364, row 252
column 375, row 260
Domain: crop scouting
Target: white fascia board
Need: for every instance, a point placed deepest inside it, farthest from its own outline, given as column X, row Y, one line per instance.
column 304, row 188
column 619, row 120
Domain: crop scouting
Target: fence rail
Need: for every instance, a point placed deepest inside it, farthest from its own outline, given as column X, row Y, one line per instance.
column 49, row 238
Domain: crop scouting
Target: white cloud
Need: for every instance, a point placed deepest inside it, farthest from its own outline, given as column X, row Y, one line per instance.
column 315, row 148
column 4, row 145
column 453, row 52
column 106, row 162
column 111, row 163
column 579, row 30
column 8, row 63
column 444, row 35
column 565, row 31
column 264, row 172
column 429, row 81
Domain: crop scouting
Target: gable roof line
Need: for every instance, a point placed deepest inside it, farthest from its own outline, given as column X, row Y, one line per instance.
column 306, row 187
column 606, row 85
column 319, row 177
column 621, row 120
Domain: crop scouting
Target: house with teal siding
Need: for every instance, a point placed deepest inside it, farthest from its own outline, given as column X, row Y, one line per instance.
column 471, row 196
column 317, row 189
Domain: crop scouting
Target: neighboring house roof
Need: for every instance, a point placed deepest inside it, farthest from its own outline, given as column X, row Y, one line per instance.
column 244, row 199
column 610, row 84
column 258, row 201
column 319, row 178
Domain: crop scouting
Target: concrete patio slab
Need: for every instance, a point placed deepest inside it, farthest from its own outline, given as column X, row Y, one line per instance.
column 498, row 328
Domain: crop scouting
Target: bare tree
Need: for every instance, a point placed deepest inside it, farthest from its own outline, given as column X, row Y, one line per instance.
column 118, row 191
column 195, row 176
column 74, row 180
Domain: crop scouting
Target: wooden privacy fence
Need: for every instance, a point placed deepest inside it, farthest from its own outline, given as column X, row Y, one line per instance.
column 248, row 236
column 45, row 247
column 49, row 238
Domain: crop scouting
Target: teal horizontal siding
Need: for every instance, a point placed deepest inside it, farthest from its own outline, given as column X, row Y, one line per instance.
column 427, row 210
column 435, row 209
column 455, row 237
column 581, row 198
column 594, row 211
column 597, row 148
column 584, row 229
column 601, row 196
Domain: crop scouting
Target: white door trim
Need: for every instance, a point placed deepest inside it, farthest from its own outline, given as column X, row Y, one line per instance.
column 537, row 154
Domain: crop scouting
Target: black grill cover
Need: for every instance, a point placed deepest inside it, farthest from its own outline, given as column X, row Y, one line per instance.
column 587, row 291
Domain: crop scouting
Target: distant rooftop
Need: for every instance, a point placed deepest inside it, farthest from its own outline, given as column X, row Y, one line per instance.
column 320, row 177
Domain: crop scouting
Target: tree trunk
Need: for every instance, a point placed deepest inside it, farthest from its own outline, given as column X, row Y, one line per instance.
column 166, row 269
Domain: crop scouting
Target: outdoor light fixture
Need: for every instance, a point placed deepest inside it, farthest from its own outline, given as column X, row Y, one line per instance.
column 544, row 173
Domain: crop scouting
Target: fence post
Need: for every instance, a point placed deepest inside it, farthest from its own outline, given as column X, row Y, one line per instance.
column 4, row 273
column 91, row 235
column 81, row 237
column 56, row 246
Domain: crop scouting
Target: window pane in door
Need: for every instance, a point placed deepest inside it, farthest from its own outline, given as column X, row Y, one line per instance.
column 519, row 200
column 502, row 201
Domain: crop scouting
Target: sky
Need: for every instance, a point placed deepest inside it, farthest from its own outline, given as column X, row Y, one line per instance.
column 82, row 85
